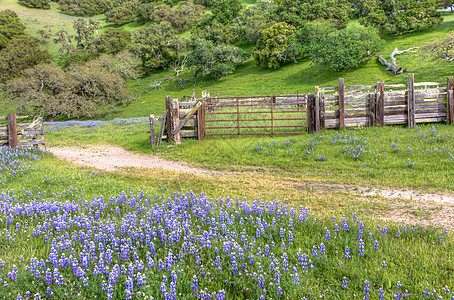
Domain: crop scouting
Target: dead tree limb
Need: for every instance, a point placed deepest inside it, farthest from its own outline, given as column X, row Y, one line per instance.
column 392, row 65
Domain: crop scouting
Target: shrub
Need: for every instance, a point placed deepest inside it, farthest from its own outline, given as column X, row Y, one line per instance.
column 346, row 48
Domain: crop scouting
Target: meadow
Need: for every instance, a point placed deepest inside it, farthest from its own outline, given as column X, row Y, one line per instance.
column 69, row 233
column 256, row 229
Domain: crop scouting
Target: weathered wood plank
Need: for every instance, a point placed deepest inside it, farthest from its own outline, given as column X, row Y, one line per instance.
column 317, row 109
column 12, row 131
column 380, row 104
column 310, row 113
column 429, row 84
column 163, row 125
column 31, row 143
column 359, row 87
column 341, row 103
column 322, row 111
column 371, row 110
column 175, row 121
column 188, row 116
column 388, row 86
column 169, row 118
column 201, row 122
column 152, row 133
column 450, row 100
column 411, row 100
column 31, row 131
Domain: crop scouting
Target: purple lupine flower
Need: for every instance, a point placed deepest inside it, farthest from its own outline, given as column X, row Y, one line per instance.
column 347, row 253
column 327, row 234
column 366, row 290
column 345, row 283
column 361, row 248
column 195, row 283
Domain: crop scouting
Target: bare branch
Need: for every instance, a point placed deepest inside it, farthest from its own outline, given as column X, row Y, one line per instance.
column 392, row 65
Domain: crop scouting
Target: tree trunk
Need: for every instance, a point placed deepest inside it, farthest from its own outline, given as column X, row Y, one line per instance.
column 392, row 65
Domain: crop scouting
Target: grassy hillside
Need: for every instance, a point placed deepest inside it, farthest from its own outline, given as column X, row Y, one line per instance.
column 302, row 77
column 250, row 79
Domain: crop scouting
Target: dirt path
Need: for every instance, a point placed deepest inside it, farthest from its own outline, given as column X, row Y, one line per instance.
column 110, row 158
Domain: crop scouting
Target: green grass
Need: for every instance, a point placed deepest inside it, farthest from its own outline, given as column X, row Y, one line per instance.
column 416, row 257
column 250, row 80
column 314, row 157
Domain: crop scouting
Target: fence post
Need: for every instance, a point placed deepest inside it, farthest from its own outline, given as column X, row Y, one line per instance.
column 449, row 90
column 175, row 120
column 371, row 110
column 201, row 122
column 341, row 103
column 12, row 131
column 411, row 100
column 163, row 126
column 273, row 100
column 322, row 109
column 317, row 109
column 310, row 113
column 169, row 118
column 380, row 104
column 152, row 133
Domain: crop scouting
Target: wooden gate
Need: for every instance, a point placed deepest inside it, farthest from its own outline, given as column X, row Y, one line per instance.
column 283, row 114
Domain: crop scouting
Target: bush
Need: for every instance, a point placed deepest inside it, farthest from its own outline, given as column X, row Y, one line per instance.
column 120, row 15
column 346, row 48
column 43, row 4
column 308, row 36
column 275, row 46
column 84, row 7
column 401, row 16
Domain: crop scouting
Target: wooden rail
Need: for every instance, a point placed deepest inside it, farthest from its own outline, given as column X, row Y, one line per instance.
column 342, row 106
column 14, row 132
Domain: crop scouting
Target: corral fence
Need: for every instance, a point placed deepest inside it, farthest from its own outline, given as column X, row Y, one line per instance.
column 329, row 107
column 18, row 131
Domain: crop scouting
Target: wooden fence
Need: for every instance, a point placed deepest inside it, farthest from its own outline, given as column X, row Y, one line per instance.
column 329, row 107
column 381, row 104
column 14, row 133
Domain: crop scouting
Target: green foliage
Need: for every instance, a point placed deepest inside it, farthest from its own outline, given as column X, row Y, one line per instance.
column 224, row 11
column 21, row 53
column 120, row 15
column 43, row 4
column 441, row 49
column 83, row 45
column 400, row 16
column 157, row 46
column 253, row 19
column 10, row 27
column 82, row 90
column 217, row 32
column 346, row 48
column 181, row 19
column 297, row 12
column 84, row 7
column 214, row 60
column 275, row 47
column 308, row 36
column 114, row 40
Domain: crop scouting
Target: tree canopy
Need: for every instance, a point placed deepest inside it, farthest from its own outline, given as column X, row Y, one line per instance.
column 10, row 27
column 42, row 4
column 214, row 60
column 21, row 53
column 400, row 16
column 275, row 46
column 297, row 12
column 346, row 48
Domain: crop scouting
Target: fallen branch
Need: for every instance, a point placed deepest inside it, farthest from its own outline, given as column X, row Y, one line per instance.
column 392, row 65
